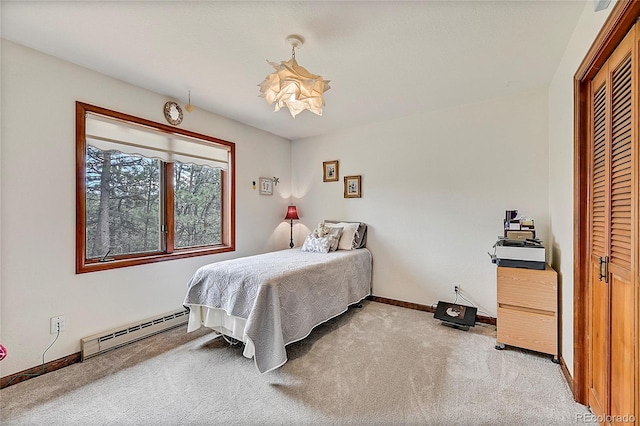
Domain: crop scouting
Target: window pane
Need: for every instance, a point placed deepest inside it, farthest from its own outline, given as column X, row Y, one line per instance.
column 198, row 214
column 123, row 210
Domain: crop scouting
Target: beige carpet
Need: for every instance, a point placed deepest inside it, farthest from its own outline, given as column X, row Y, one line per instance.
column 380, row 364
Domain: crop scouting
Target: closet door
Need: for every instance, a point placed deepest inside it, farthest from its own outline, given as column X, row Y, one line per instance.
column 599, row 242
column 613, row 233
column 623, row 239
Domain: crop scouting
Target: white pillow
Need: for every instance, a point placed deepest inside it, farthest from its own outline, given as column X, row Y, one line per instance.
column 348, row 234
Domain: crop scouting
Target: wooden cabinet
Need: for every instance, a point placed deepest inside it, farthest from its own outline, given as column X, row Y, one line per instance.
column 528, row 309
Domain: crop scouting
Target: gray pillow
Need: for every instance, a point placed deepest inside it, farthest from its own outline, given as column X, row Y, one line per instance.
column 335, row 232
column 361, row 233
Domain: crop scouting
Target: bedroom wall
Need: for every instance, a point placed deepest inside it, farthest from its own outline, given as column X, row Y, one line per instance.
column 38, row 208
column 435, row 187
column 561, row 165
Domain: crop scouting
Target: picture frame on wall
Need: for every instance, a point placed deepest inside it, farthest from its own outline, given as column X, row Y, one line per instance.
column 330, row 171
column 352, row 186
column 266, row 186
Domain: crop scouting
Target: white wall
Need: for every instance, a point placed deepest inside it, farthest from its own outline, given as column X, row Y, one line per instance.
column 561, row 165
column 435, row 187
column 38, row 208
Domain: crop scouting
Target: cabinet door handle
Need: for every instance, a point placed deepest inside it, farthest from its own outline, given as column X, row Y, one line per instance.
column 600, row 275
column 606, row 269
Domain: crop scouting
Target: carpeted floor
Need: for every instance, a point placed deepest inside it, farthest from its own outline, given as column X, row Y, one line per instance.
column 381, row 365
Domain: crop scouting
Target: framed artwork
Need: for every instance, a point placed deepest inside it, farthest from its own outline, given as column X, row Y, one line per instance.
column 330, row 171
column 266, row 186
column 352, row 186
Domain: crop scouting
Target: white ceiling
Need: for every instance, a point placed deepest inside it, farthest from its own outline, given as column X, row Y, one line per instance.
column 385, row 59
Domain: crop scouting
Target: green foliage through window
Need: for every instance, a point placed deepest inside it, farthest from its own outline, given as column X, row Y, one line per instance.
column 124, row 209
column 147, row 192
column 198, row 204
column 122, row 203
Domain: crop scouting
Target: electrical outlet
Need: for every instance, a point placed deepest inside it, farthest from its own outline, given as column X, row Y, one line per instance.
column 57, row 323
column 456, row 289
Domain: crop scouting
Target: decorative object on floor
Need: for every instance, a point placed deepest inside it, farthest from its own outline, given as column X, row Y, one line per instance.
column 276, row 181
column 292, row 214
column 189, row 107
column 456, row 316
column 173, row 113
column 292, row 86
column 3, row 352
column 330, row 171
column 352, row 186
column 266, row 186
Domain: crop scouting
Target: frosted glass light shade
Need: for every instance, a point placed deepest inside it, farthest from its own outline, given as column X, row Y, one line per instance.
column 294, row 87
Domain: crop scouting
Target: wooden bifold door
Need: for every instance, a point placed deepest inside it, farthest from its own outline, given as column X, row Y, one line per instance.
column 613, row 234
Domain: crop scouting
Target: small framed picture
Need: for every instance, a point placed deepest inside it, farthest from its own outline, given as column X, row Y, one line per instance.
column 330, row 171
column 352, row 187
column 266, row 186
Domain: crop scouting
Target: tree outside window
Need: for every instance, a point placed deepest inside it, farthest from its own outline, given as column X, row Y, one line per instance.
column 138, row 203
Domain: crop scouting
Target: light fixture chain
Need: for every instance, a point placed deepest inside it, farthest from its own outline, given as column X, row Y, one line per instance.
column 293, row 52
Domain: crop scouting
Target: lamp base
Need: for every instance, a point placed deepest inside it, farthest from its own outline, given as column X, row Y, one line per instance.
column 291, row 241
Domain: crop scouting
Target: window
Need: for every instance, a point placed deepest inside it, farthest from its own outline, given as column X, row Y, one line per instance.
column 147, row 192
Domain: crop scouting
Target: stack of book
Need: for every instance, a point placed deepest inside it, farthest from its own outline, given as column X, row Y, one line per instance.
column 518, row 227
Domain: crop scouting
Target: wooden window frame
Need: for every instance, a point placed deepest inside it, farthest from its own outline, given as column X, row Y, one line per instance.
column 170, row 252
column 622, row 18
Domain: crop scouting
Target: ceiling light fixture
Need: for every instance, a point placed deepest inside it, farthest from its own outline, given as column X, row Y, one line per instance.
column 292, row 86
column 189, row 107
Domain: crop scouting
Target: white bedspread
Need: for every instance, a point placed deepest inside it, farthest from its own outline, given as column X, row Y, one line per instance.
column 282, row 295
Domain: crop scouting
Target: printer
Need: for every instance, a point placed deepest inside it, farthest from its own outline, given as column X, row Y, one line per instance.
column 529, row 253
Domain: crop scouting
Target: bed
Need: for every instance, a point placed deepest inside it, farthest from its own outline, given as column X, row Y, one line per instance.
column 270, row 300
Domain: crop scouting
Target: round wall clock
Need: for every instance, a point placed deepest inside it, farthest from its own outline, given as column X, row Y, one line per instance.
column 173, row 113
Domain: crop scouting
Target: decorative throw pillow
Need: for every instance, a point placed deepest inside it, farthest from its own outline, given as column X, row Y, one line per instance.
column 348, row 234
column 317, row 244
column 334, row 232
column 320, row 231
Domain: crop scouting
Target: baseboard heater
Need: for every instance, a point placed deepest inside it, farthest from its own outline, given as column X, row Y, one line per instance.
column 120, row 336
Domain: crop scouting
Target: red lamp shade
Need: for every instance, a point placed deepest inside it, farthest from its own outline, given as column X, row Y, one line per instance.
column 292, row 213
